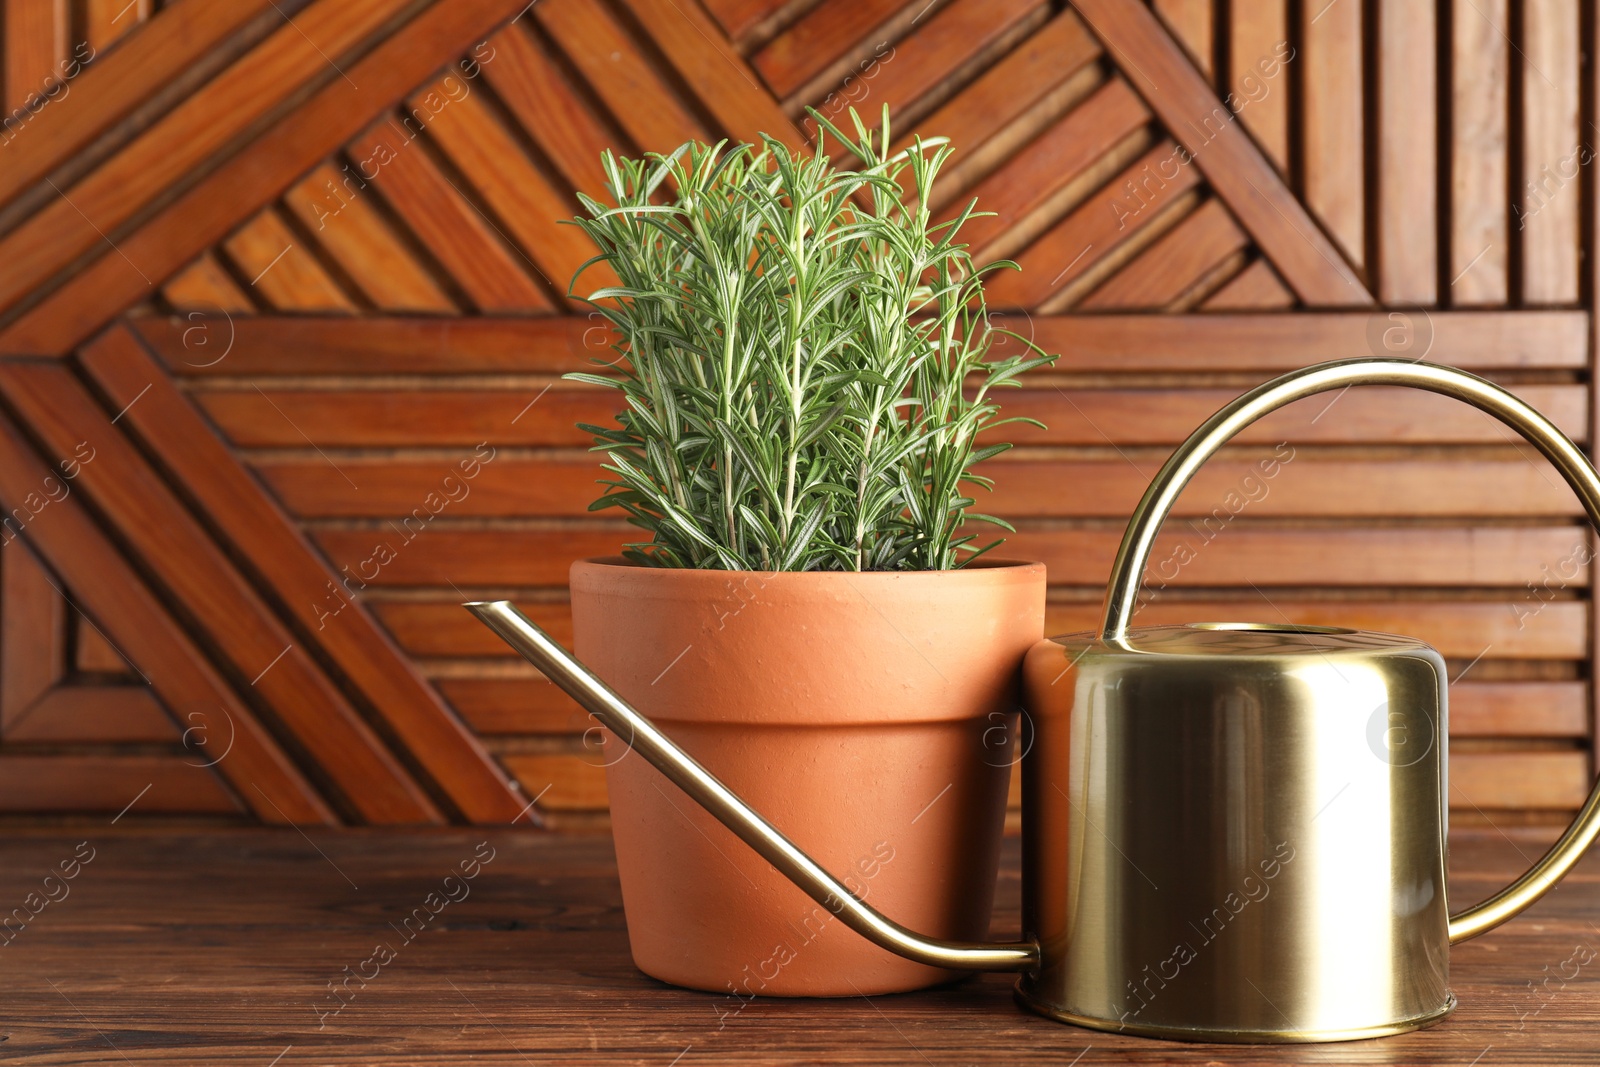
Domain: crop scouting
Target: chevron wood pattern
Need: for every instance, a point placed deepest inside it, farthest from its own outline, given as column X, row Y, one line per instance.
column 296, row 273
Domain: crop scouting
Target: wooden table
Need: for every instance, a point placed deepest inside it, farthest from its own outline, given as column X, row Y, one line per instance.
column 218, row 947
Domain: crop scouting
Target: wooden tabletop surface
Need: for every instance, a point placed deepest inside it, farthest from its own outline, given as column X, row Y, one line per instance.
column 217, row 948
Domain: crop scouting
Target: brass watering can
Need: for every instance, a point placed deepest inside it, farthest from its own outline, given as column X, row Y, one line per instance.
column 1232, row 831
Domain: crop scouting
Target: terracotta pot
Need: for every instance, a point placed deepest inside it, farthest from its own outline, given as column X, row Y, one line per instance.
column 870, row 717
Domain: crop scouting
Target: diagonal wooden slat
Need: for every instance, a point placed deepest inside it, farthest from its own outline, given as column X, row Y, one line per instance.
column 154, row 55
column 205, row 285
column 93, row 211
column 1159, row 70
column 530, row 206
column 269, row 659
column 73, row 546
column 724, row 83
column 357, row 237
column 167, row 422
column 611, row 60
column 1182, row 255
column 472, row 247
column 281, row 270
column 263, row 170
column 823, row 35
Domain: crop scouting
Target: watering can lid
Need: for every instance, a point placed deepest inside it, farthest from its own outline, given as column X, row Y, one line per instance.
column 1245, row 639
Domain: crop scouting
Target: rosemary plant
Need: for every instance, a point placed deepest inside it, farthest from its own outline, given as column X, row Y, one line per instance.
column 808, row 365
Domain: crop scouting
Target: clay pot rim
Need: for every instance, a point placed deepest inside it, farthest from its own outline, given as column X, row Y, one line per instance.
column 607, row 570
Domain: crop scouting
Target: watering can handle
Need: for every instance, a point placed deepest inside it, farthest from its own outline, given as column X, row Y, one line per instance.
column 1123, row 590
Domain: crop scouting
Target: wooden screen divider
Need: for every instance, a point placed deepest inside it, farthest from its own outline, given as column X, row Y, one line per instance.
column 283, row 267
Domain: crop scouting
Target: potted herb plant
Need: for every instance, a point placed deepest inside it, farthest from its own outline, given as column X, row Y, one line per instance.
column 807, row 384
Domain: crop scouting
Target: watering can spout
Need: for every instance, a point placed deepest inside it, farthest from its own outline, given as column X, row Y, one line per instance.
column 641, row 735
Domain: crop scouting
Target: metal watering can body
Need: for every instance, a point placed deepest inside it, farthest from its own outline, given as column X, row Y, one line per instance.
column 1232, row 831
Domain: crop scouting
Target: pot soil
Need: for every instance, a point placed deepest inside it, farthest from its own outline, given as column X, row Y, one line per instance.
column 871, row 717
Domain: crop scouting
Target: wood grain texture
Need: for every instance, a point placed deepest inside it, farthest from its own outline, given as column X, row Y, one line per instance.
column 475, row 251
column 1173, row 263
column 105, row 92
column 322, row 600
column 533, row 962
column 713, row 68
column 609, row 57
column 349, row 227
column 104, row 785
column 105, row 22
column 1517, row 628
column 1193, row 23
column 264, row 169
column 820, row 37
column 206, row 287
column 1235, row 168
column 74, row 548
column 533, row 210
column 98, row 715
column 1407, row 210
column 1553, row 155
column 281, row 269
column 33, row 631
column 84, row 216
column 1332, row 122
column 1480, row 153
column 35, row 41
column 254, row 645
column 1257, row 287
column 1258, row 41
column 339, row 416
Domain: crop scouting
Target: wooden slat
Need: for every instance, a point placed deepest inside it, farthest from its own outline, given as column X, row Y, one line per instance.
column 1553, row 157
column 1039, row 64
column 823, row 35
column 35, row 40
column 266, row 417
column 259, row 172
column 84, row 216
column 1234, row 167
column 33, row 624
column 1519, row 709
column 1258, row 55
column 1192, row 22
column 472, row 248
column 1476, row 340
column 111, row 88
column 388, row 345
column 1052, row 160
column 619, row 73
column 105, row 22
column 528, row 204
column 1266, row 555
column 719, row 76
column 352, row 231
column 1464, row 630
column 1172, row 264
column 740, row 16
column 93, row 654
column 101, row 714
column 258, row 531
column 259, row 649
column 1095, row 229
column 310, row 487
column 1407, row 209
column 1331, row 121
column 514, row 706
column 940, row 44
column 574, row 783
column 1486, row 781
column 1257, row 288
column 205, row 286
column 75, row 548
column 1479, row 152
column 530, row 78
column 282, row 269
column 104, row 785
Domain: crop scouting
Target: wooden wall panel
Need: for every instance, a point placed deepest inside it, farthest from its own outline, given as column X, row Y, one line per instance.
column 329, row 285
